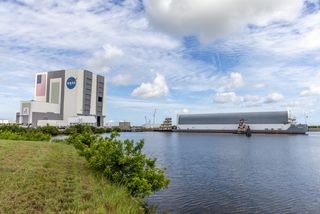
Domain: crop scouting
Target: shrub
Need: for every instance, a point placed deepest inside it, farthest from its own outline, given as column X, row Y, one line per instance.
column 80, row 128
column 14, row 132
column 108, row 130
column 12, row 128
column 29, row 136
column 35, row 135
column 121, row 162
column 51, row 130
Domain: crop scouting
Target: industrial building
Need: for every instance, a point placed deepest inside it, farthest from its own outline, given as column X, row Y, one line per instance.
column 259, row 122
column 63, row 98
column 125, row 126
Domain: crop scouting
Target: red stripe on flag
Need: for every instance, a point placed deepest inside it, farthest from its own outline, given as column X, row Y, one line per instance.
column 41, row 87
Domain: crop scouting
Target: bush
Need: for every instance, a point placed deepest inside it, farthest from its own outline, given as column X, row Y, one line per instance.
column 80, row 128
column 12, row 128
column 121, row 162
column 29, row 136
column 51, row 130
column 14, row 132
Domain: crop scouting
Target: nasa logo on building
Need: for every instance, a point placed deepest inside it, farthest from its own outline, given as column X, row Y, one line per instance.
column 71, row 82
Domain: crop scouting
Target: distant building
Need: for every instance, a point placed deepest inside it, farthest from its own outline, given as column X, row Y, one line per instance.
column 167, row 124
column 125, row 126
column 4, row 121
column 63, row 98
column 151, row 126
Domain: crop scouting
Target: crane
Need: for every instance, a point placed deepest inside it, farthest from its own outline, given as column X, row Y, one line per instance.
column 154, row 116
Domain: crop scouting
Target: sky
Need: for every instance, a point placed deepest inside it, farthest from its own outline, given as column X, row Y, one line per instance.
column 171, row 56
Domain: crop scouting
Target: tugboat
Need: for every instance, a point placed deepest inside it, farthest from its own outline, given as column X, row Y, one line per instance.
column 243, row 128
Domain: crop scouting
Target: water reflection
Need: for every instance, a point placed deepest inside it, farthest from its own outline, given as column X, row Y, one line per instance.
column 223, row 173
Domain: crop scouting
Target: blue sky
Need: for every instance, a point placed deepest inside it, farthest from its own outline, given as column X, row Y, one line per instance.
column 174, row 56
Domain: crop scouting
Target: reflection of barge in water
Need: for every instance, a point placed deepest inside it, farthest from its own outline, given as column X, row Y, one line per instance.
column 276, row 122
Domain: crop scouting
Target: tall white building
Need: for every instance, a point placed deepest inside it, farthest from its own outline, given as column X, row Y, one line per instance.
column 65, row 97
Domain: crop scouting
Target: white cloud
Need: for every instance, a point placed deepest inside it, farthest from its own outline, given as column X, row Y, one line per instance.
column 229, row 82
column 313, row 90
column 102, row 58
column 235, row 81
column 274, row 97
column 210, row 19
column 259, row 85
column 185, row 110
column 252, row 98
column 111, row 52
column 122, row 79
column 232, row 97
column 157, row 88
column 226, row 97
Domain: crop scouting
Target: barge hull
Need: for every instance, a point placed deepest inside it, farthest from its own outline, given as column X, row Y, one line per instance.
column 235, row 131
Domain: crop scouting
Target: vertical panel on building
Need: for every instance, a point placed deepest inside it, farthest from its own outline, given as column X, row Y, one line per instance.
column 41, row 85
column 99, row 100
column 87, row 86
column 55, row 92
column 57, row 75
column 93, row 107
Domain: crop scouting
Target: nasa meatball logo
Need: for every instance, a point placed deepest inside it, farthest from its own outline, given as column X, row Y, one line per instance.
column 71, row 82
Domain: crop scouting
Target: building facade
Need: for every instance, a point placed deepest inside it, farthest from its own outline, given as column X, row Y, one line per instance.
column 63, row 98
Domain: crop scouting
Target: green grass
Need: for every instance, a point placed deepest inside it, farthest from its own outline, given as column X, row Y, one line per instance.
column 41, row 177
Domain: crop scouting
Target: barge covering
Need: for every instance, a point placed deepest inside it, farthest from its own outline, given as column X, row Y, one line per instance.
column 276, row 122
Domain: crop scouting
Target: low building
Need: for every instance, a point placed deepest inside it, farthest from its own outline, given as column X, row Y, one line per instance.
column 64, row 98
column 4, row 122
column 125, row 126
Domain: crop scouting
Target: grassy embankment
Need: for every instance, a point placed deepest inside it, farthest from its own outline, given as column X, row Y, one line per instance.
column 41, row 177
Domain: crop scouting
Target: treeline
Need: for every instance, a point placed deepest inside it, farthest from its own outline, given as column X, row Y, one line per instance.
column 314, row 127
column 81, row 128
column 15, row 132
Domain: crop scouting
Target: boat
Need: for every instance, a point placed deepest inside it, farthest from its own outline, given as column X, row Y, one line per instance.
column 273, row 122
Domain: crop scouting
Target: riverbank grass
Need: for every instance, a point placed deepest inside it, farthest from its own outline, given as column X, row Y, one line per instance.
column 42, row 177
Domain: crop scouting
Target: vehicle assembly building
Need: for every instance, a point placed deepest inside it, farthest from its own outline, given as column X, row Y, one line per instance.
column 63, row 98
column 259, row 122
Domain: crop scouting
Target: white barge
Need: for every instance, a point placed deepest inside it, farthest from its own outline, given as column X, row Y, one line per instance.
column 276, row 122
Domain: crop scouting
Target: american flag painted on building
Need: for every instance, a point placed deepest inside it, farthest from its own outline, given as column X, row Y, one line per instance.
column 41, row 85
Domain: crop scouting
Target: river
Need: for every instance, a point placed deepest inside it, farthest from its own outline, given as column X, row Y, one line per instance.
column 226, row 173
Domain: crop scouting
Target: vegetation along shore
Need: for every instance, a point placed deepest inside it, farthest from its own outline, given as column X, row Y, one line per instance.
column 84, row 173
column 314, row 128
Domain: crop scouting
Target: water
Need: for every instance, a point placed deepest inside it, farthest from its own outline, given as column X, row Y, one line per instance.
column 225, row 173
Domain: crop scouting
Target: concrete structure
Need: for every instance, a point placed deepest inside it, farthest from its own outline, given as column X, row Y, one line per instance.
column 125, row 126
column 259, row 122
column 63, row 98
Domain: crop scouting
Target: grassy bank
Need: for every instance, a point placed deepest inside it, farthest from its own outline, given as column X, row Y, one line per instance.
column 40, row 177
